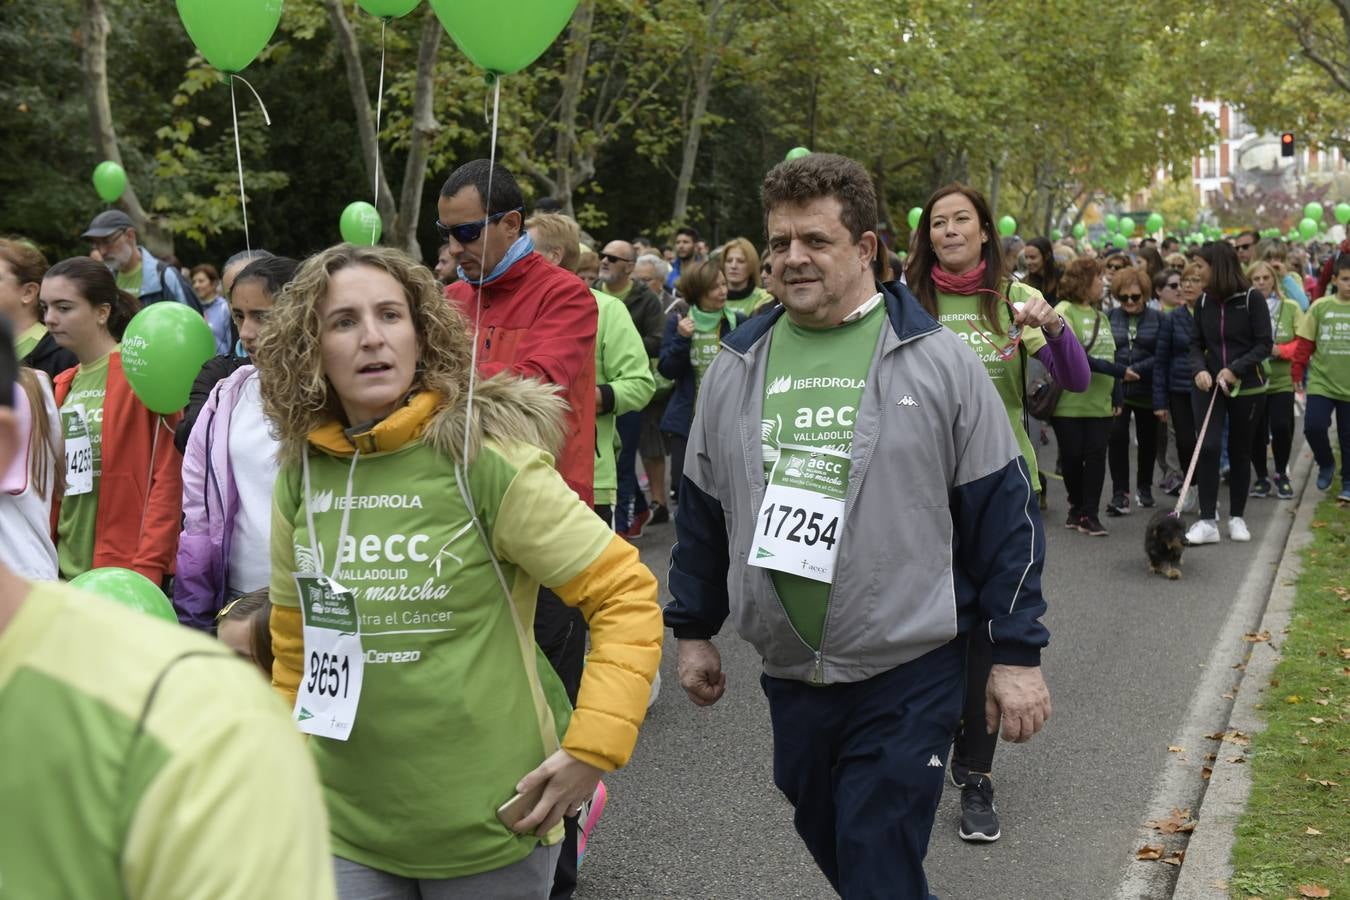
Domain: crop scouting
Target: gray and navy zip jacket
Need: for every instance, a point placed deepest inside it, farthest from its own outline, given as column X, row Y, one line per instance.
column 941, row 531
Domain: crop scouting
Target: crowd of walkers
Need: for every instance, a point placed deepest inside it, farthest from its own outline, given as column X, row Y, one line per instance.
column 414, row 493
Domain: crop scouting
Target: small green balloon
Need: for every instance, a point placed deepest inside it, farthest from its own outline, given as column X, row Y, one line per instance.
column 1126, row 226
column 1121, row 241
column 1007, row 226
column 388, row 9
column 1079, row 229
column 915, row 214
column 1313, row 211
column 797, row 153
column 504, row 42
column 129, row 588
column 1111, row 221
column 1307, row 227
column 163, row 350
column 230, row 33
column 1056, row 234
column 1183, row 224
column 110, row 180
column 360, row 224
column 1154, row 223
column 1342, row 213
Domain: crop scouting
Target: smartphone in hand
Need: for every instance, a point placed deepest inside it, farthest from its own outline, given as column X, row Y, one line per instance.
column 521, row 805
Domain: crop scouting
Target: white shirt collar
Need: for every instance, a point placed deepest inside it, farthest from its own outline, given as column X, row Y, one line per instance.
column 864, row 309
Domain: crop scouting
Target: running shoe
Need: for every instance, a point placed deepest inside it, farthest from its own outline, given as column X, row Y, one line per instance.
column 1344, row 495
column 1237, row 529
column 1204, row 531
column 1260, row 488
column 1144, row 497
column 1172, row 484
column 1283, row 489
column 655, row 691
column 639, row 524
column 979, row 816
column 1119, row 505
column 589, row 815
column 1072, row 520
column 1091, row 526
column 660, row 514
column 1325, row 474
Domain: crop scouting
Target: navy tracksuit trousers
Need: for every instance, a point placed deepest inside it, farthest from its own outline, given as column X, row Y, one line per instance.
column 862, row 764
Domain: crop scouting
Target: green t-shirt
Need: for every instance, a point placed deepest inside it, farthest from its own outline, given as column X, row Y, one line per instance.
column 813, row 384
column 1281, row 375
column 1095, row 402
column 29, row 338
column 747, row 305
column 131, row 281
column 140, row 757
column 79, row 513
column 957, row 313
column 706, row 340
column 447, row 722
column 1327, row 322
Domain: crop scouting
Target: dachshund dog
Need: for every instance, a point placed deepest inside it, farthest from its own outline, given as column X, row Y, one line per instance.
column 1164, row 540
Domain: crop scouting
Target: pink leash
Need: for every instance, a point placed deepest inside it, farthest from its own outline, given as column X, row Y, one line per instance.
column 1195, row 454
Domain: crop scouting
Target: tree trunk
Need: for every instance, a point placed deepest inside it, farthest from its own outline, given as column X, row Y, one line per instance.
column 424, row 125
column 574, row 78
column 995, row 184
column 94, row 60
column 365, row 118
column 702, row 89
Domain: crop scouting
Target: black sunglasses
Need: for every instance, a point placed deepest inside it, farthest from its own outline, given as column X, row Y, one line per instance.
column 469, row 232
column 612, row 258
column 1243, row 246
column 1118, row 267
column 1174, row 285
column 1130, row 298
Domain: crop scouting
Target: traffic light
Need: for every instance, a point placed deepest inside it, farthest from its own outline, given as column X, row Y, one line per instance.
column 1287, row 144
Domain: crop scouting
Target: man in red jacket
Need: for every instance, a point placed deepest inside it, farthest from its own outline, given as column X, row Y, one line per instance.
column 537, row 320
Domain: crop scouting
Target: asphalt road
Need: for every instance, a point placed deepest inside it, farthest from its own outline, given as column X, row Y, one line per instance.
column 695, row 814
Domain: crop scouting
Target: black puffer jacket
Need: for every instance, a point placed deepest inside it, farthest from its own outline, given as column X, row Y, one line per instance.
column 50, row 357
column 1137, row 352
column 1232, row 334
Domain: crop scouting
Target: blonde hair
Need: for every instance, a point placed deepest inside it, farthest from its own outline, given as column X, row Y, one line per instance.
column 297, row 396
column 1274, row 276
column 751, row 257
column 554, row 231
column 43, row 446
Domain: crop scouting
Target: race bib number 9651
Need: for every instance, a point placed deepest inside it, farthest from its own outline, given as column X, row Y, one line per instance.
column 330, row 686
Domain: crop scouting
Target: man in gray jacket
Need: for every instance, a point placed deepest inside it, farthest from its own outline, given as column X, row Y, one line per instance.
column 856, row 504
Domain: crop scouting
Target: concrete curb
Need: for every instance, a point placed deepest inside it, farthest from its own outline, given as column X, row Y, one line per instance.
column 1208, row 864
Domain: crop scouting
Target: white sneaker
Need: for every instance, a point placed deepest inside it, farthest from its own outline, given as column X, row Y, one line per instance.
column 1192, row 499
column 1205, row 531
column 656, row 690
column 1237, row 529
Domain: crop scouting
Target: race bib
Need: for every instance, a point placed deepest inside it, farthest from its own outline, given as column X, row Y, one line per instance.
column 79, row 451
column 330, row 684
column 802, row 514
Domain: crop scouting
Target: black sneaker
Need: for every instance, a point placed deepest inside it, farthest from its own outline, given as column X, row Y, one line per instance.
column 1283, row 489
column 1144, row 497
column 958, row 773
column 660, row 514
column 1072, row 520
column 1092, row 526
column 1260, row 488
column 979, row 817
column 1119, row 505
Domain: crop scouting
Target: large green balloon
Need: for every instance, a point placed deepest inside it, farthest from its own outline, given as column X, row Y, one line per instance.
column 360, row 224
column 1313, row 211
column 796, row 153
column 1056, row 234
column 1126, row 226
column 503, row 39
column 915, row 214
column 1342, row 213
column 1307, row 227
column 230, row 33
column 163, row 349
column 1079, row 229
column 1154, row 223
column 110, row 180
column 388, row 9
column 1007, row 226
column 1111, row 221
column 131, row 589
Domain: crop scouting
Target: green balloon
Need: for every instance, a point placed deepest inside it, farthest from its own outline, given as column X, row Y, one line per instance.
column 1111, row 221
column 1307, row 227
column 504, row 39
column 1056, row 234
column 1079, row 229
column 360, row 224
column 1154, row 223
column 1313, row 211
column 1126, row 226
column 230, row 33
column 797, row 153
column 1007, row 226
column 1183, row 224
column 1342, row 212
column 1121, row 241
column 388, row 9
column 110, row 180
column 915, row 214
column 131, row 589
column 163, row 349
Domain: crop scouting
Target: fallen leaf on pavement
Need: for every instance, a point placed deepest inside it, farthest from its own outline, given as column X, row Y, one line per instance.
column 1256, row 637
column 1149, row 852
column 1313, row 890
column 1173, row 748
column 1179, row 821
column 1206, row 771
column 1175, row 859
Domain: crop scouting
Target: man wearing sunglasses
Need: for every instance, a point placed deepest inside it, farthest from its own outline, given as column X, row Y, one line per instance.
column 1244, row 244
column 536, row 320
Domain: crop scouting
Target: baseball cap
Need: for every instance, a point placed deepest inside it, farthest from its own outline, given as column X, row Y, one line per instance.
column 108, row 223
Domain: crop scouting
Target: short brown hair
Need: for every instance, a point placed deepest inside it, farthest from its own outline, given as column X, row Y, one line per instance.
column 819, row 175
column 1135, row 276
column 1078, row 283
column 698, row 281
column 25, row 260
column 554, row 231
column 206, row 269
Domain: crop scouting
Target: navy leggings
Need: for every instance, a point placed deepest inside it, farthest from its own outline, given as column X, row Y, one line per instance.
column 1318, row 422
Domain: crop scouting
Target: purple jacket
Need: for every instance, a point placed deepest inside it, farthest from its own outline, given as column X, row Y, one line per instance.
column 210, row 503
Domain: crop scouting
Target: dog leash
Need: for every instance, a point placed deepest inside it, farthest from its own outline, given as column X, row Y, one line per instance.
column 1195, row 454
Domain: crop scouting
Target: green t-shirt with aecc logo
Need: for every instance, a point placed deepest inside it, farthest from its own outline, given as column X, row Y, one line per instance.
column 1281, row 374
column 957, row 312
column 812, row 388
column 82, row 410
column 706, row 340
column 1095, row 402
column 29, row 338
column 1327, row 322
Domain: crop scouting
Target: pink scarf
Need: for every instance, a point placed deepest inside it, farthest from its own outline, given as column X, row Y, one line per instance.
column 966, row 284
